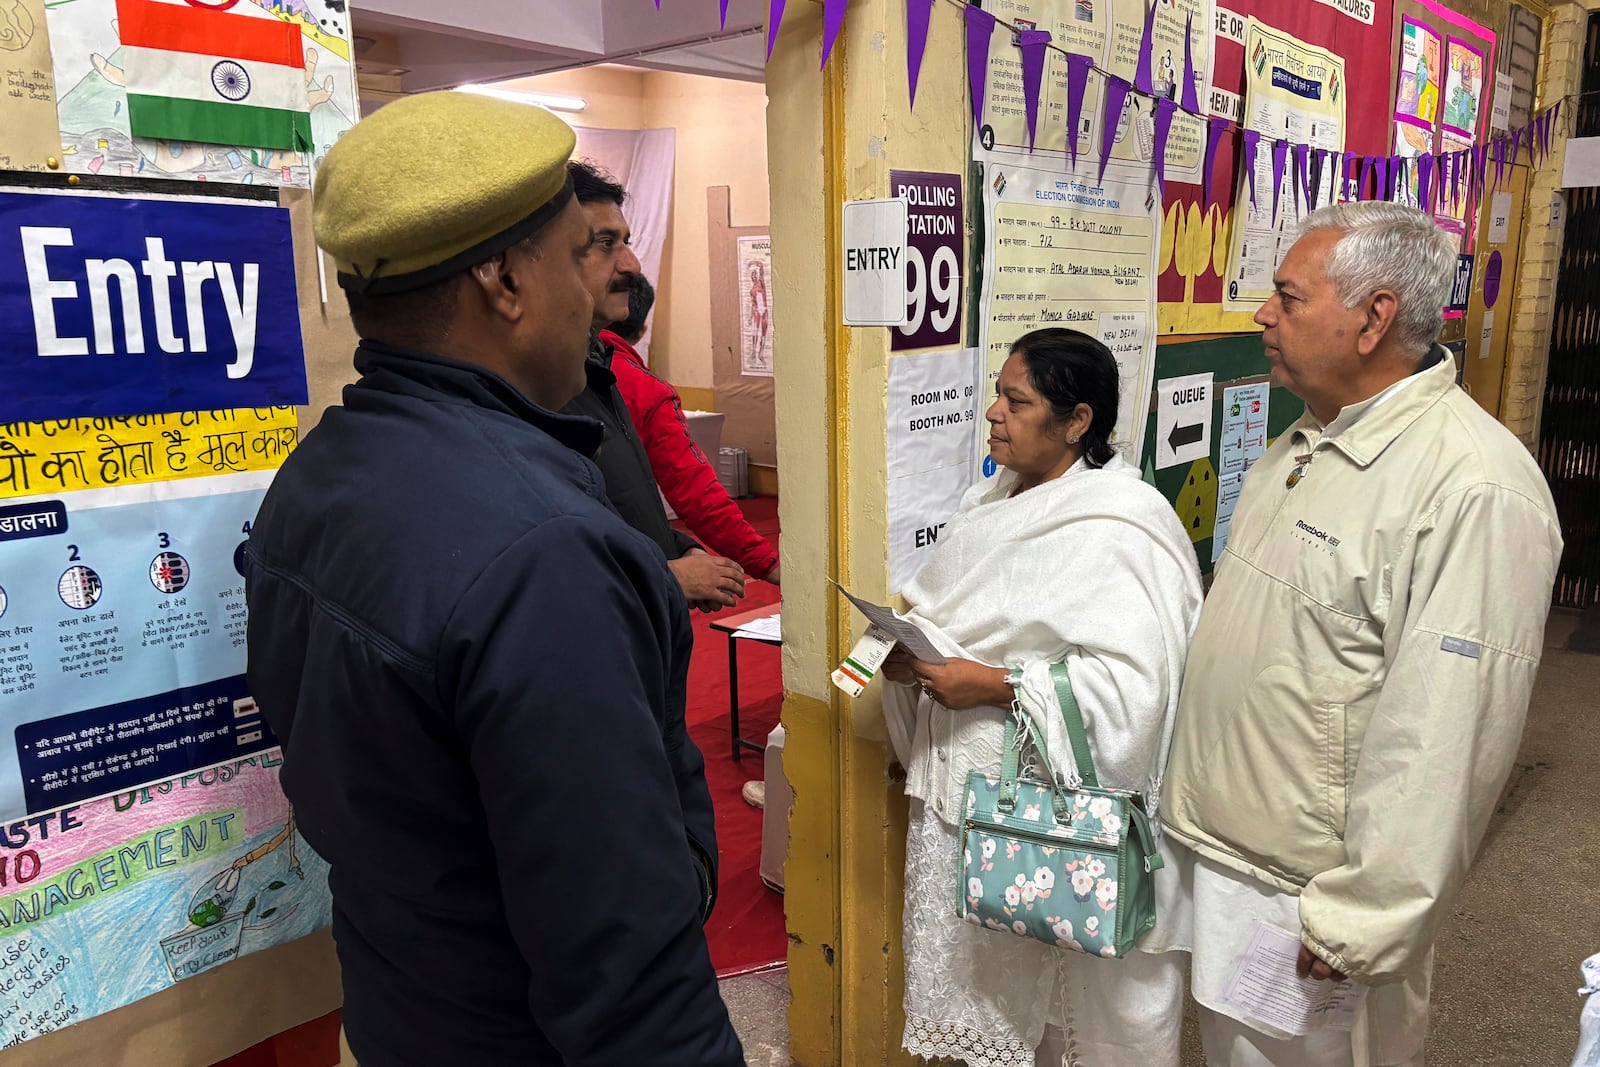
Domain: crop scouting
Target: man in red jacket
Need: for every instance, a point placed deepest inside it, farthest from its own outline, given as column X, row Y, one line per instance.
column 687, row 478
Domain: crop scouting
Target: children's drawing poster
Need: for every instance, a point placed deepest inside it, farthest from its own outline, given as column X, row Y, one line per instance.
column 105, row 903
column 92, row 101
column 1463, row 93
column 1417, row 94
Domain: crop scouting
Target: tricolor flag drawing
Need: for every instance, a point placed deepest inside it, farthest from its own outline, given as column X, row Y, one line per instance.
column 216, row 71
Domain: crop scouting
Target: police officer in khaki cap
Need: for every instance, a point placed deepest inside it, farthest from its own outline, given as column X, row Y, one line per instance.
column 476, row 669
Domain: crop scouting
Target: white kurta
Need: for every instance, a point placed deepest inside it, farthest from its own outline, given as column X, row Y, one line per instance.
column 1092, row 570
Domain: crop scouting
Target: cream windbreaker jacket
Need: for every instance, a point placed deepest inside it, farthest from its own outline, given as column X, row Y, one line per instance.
column 1356, row 689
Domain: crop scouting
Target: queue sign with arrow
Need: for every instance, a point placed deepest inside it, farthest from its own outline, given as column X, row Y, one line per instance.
column 1183, row 420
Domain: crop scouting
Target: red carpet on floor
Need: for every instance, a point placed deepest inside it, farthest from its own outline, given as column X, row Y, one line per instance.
column 746, row 929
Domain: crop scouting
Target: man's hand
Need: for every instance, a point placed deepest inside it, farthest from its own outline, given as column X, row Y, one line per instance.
column 709, row 582
column 960, row 684
column 1312, row 966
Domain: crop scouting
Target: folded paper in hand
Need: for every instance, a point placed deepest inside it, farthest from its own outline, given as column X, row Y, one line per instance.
column 1266, row 988
column 897, row 626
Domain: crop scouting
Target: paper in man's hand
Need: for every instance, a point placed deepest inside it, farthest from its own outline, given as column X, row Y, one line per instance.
column 1266, row 988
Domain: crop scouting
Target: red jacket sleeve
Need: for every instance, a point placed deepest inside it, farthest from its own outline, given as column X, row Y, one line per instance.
column 687, row 478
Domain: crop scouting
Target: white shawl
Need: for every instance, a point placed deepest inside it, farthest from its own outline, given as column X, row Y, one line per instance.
column 1093, row 570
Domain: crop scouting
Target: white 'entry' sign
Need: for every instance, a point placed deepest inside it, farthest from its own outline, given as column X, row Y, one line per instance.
column 935, row 412
column 875, row 262
column 1183, row 420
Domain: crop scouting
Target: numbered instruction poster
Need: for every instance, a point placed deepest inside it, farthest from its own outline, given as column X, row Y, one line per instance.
column 1109, row 32
column 143, row 835
column 1065, row 251
column 1294, row 92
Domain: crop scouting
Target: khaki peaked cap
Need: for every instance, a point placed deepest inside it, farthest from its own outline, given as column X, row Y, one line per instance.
column 435, row 183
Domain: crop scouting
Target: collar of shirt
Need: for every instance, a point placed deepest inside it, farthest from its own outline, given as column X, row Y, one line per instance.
column 1313, row 431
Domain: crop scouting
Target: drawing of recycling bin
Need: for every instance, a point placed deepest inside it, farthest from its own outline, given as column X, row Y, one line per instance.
column 213, row 936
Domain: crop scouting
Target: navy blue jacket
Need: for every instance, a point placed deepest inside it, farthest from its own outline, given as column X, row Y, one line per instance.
column 477, row 671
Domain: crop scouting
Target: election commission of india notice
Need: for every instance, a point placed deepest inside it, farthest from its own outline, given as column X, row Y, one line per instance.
column 1070, row 251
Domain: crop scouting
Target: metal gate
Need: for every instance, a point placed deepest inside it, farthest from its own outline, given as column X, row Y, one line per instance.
column 1569, row 431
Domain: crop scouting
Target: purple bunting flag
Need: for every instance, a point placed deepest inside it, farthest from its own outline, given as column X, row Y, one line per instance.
column 1078, row 68
column 1480, row 155
column 724, row 12
column 1369, row 174
column 1251, row 140
column 1032, row 43
column 1347, row 176
column 1302, row 176
column 1499, row 162
column 832, row 24
column 1191, row 77
column 1280, row 155
column 1116, row 95
column 1141, row 75
column 1516, row 146
column 1214, row 131
column 774, row 21
column 1384, row 190
column 980, row 28
column 1164, row 111
column 1424, row 165
column 918, row 14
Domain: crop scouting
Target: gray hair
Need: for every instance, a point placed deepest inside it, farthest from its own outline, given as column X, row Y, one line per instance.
column 1394, row 247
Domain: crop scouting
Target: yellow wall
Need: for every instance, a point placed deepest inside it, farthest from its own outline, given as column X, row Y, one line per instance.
column 722, row 140
column 834, row 137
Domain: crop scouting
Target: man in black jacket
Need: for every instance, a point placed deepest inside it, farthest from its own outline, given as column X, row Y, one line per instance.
column 610, row 272
column 477, row 670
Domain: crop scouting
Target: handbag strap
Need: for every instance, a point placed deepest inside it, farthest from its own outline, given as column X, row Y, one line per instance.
column 1074, row 721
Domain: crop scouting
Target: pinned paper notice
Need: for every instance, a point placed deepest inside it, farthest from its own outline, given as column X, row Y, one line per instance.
column 1266, row 989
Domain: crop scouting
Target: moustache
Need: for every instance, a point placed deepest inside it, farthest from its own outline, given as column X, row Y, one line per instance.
column 625, row 285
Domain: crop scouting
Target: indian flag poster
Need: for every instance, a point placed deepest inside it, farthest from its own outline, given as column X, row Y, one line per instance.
column 222, row 72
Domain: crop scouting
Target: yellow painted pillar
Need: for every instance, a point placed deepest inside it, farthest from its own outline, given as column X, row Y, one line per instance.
column 833, row 135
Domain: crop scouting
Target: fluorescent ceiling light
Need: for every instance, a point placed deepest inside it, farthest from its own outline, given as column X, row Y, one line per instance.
column 545, row 100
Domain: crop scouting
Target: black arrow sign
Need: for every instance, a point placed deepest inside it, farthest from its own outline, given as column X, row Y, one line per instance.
column 1185, row 435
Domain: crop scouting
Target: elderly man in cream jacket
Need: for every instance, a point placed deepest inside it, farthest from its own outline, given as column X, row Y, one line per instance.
column 1357, row 686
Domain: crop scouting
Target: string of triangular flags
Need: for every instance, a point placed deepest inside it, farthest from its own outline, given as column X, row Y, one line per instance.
column 1442, row 178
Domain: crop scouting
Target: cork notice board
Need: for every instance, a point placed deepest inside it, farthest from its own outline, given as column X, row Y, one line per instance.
column 745, row 400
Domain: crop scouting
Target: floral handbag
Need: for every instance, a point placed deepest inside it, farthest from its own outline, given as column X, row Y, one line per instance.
column 1073, row 868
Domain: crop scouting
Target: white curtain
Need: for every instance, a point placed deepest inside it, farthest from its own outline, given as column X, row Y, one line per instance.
column 642, row 161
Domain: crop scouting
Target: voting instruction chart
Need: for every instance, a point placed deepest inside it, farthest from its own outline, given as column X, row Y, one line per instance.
column 1068, row 250
column 151, row 370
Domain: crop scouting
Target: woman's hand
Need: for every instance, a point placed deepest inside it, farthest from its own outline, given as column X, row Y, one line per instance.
column 961, row 684
column 897, row 666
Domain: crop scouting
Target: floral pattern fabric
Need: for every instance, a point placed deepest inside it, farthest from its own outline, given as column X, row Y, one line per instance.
column 1048, row 876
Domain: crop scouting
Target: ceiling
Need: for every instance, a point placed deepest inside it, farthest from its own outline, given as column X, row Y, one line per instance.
column 407, row 46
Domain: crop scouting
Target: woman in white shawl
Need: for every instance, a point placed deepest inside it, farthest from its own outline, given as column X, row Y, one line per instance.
column 1065, row 557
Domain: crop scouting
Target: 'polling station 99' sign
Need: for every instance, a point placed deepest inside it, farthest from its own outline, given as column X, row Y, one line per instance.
column 935, row 239
column 121, row 305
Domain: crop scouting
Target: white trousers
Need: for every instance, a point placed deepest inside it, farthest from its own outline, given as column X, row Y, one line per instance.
column 1389, row 1032
column 1112, row 1025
